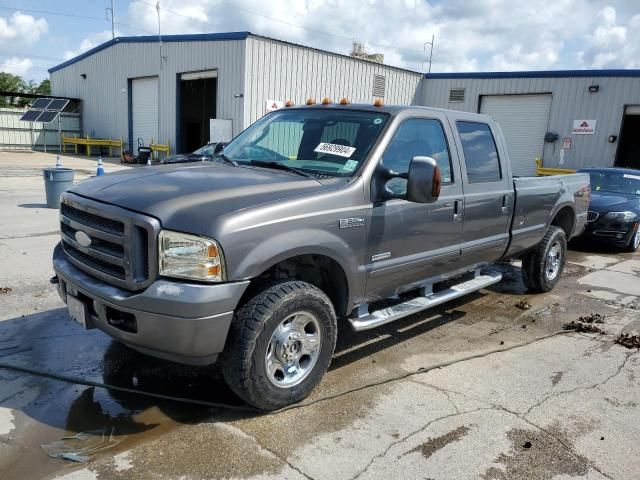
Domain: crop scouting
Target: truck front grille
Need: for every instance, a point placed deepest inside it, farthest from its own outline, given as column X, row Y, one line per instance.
column 108, row 242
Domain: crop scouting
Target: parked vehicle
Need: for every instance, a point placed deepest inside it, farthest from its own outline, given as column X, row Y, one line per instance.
column 202, row 154
column 308, row 219
column 614, row 211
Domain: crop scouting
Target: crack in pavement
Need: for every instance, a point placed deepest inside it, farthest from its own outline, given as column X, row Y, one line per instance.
column 275, row 454
column 585, row 387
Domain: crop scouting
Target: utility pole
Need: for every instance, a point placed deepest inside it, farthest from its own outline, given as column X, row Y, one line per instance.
column 110, row 13
column 433, row 39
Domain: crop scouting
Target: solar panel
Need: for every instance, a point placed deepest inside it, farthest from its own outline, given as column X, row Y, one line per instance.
column 41, row 103
column 31, row 115
column 47, row 116
column 58, row 104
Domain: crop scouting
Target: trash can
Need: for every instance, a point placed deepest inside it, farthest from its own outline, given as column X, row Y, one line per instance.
column 56, row 181
column 143, row 154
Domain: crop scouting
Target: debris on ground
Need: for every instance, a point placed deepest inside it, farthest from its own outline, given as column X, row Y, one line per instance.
column 592, row 318
column 523, row 305
column 5, row 290
column 82, row 446
column 628, row 340
column 581, row 327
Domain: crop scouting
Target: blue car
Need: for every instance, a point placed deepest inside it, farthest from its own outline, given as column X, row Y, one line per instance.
column 614, row 210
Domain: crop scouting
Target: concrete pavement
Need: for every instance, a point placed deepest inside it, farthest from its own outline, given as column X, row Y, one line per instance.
column 515, row 401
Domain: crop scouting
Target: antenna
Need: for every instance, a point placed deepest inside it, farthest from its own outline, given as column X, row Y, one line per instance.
column 433, row 39
column 110, row 13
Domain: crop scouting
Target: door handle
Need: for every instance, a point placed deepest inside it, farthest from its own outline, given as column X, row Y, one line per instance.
column 457, row 208
column 504, row 209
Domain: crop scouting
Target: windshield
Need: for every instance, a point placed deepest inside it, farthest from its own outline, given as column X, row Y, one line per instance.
column 328, row 142
column 615, row 182
column 206, row 150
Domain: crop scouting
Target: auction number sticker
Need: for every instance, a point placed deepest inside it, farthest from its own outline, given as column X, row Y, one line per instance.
column 333, row 149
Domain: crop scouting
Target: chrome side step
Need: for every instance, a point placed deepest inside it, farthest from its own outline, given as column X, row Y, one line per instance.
column 404, row 309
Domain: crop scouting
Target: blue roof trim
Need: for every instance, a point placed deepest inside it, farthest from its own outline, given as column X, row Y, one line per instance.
column 195, row 37
column 539, row 74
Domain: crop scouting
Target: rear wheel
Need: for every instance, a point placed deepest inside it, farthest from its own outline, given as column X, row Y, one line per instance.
column 542, row 267
column 280, row 345
column 634, row 242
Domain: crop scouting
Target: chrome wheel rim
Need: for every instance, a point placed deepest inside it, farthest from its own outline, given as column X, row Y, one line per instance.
column 554, row 261
column 293, row 349
column 636, row 240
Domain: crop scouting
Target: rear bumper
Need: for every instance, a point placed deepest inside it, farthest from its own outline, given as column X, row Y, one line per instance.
column 179, row 321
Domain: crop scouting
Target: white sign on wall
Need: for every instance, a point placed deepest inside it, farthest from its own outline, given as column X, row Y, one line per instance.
column 584, row 127
column 271, row 105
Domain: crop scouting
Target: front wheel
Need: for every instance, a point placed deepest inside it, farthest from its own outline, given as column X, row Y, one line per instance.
column 280, row 345
column 634, row 242
column 542, row 267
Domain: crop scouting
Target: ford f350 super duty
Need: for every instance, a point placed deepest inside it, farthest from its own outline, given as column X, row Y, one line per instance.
column 314, row 218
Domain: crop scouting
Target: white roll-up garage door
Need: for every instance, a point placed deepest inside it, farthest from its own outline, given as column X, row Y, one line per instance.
column 524, row 120
column 144, row 106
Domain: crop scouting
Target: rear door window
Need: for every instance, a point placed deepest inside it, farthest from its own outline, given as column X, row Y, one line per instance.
column 480, row 152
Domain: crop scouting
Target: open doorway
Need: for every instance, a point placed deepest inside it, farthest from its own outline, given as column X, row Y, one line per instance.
column 629, row 146
column 197, row 105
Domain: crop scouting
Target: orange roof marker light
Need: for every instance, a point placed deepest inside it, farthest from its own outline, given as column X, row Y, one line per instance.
column 344, row 101
column 311, row 101
column 326, row 101
column 378, row 102
column 289, row 103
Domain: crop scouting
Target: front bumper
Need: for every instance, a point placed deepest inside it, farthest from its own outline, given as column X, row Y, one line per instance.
column 179, row 321
column 615, row 233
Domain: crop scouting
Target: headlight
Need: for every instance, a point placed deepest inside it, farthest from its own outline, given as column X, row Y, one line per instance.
column 189, row 256
column 621, row 216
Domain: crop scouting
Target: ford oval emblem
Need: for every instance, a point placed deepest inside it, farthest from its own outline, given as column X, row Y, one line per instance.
column 83, row 239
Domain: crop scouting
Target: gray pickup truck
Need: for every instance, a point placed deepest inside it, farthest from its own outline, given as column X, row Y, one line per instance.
column 314, row 218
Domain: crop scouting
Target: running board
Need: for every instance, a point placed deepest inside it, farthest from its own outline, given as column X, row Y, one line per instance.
column 415, row 305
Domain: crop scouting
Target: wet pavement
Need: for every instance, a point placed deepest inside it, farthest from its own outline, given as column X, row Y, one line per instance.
column 488, row 386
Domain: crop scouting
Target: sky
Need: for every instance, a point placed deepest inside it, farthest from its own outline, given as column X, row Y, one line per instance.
column 470, row 35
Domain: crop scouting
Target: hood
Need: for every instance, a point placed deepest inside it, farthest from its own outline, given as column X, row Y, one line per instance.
column 191, row 198
column 607, row 202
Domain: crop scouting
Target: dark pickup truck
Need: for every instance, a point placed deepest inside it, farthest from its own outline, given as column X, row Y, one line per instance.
column 314, row 218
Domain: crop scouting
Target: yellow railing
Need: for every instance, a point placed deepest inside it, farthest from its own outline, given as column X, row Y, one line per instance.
column 159, row 147
column 542, row 171
column 90, row 142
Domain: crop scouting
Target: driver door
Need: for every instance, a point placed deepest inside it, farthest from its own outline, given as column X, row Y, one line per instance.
column 408, row 242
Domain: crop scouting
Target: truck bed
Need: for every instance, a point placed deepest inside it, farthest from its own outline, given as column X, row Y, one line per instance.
column 538, row 199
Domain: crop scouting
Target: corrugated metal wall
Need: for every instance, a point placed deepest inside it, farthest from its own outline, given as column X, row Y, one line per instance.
column 282, row 71
column 105, row 91
column 571, row 101
column 17, row 135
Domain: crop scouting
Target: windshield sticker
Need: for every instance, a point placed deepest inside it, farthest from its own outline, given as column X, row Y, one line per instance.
column 377, row 121
column 635, row 177
column 350, row 166
column 333, row 149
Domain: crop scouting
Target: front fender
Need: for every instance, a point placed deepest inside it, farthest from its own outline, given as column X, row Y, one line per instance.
column 271, row 250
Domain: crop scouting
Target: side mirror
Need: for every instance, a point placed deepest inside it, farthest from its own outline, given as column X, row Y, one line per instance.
column 424, row 180
column 219, row 147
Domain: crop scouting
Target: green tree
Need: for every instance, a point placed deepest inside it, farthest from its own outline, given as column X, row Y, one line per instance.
column 10, row 83
column 14, row 83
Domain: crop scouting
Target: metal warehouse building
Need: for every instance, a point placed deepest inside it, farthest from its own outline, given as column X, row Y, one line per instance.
column 138, row 87
column 570, row 119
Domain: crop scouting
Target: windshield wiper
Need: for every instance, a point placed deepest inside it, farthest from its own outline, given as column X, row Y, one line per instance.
column 226, row 159
column 281, row 166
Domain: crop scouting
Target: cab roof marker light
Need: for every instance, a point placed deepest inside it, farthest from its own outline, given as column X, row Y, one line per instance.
column 326, row 101
column 344, row 101
column 289, row 103
column 311, row 101
column 378, row 102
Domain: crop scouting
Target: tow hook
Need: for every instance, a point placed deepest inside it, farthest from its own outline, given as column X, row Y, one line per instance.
column 54, row 280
